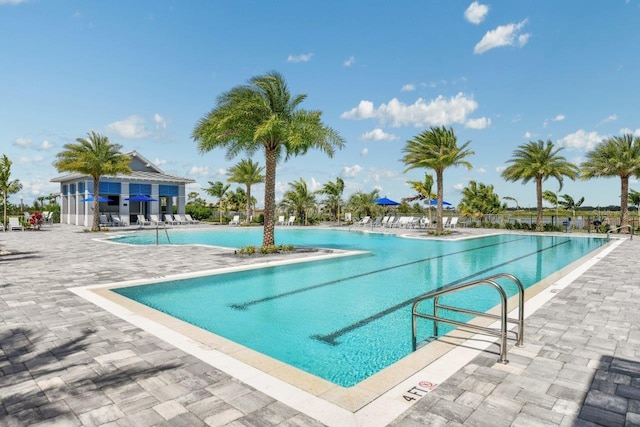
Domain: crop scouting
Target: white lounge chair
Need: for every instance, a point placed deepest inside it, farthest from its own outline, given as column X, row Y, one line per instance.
column 155, row 220
column 117, row 221
column 235, row 220
column 453, row 221
column 143, row 221
column 292, row 220
column 179, row 219
column 391, row 222
column 168, row 218
column 14, row 224
column 190, row 220
column 364, row 221
column 104, row 221
column 280, row 220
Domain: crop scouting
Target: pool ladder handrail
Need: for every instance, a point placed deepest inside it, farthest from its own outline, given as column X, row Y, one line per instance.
column 504, row 319
column 618, row 229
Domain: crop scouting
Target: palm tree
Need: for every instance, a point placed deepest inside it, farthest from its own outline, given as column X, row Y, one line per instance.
column 539, row 161
column 569, row 204
column 246, row 172
column 363, row 203
column 333, row 191
column 634, row 199
column 424, row 190
column 217, row 189
column 7, row 185
column 479, row 200
column 264, row 115
column 436, row 149
column 95, row 156
column 299, row 199
column 616, row 156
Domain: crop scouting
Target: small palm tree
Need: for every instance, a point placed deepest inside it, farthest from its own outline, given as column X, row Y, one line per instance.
column 570, row 204
column 479, row 200
column 95, row 156
column 539, row 161
column 363, row 204
column 437, row 149
column 333, row 191
column 299, row 199
column 217, row 189
column 264, row 115
column 617, row 156
column 248, row 173
column 7, row 185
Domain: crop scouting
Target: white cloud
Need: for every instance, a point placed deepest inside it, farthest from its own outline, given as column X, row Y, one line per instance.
column 130, row 128
column 22, row 142
column 480, row 123
column 12, row 1
column 45, row 145
column 314, row 185
column 159, row 162
column 581, row 140
column 624, row 131
column 300, row 58
column 528, row 135
column 481, row 170
column 499, row 169
column 611, row 118
column 476, row 12
column 408, row 88
column 161, row 123
column 458, row 187
column 199, row 171
column 439, row 111
column 558, row 118
column 378, row 135
column 349, row 62
column 351, row 171
column 504, row 35
column 364, row 152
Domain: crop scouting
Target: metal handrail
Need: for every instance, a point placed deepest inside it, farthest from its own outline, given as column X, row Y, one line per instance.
column 504, row 319
column 620, row 228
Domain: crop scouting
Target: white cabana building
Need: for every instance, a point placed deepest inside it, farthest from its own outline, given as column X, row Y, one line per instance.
column 146, row 179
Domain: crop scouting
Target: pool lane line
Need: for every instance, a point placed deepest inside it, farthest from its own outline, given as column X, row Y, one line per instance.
column 245, row 305
column 331, row 338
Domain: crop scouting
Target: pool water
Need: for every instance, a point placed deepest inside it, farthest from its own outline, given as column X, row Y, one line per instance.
column 345, row 319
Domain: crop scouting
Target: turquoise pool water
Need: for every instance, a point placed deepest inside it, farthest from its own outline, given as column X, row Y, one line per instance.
column 347, row 318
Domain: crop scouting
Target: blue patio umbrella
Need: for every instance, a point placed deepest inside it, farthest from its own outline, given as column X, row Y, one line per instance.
column 435, row 202
column 100, row 199
column 141, row 198
column 383, row 201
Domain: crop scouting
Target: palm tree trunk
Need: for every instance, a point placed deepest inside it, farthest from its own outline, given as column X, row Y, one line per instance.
column 96, row 204
column 624, row 202
column 248, row 203
column 269, row 197
column 539, row 226
column 440, row 191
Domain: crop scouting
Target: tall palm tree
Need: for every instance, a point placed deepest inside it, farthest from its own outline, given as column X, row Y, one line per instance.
column 333, row 191
column 95, row 156
column 299, row 199
column 248, row 173
column 437, row 149
column 7, row 185
column 218, row 189
column 539, row 161
column 264, row 115
column 616, row 156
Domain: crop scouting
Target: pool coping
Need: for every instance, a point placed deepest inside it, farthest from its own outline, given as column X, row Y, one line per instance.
column 375, row 401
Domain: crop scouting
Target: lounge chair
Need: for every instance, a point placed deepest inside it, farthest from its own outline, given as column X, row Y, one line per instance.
column 453, row 221
column 376, row 222
column 425, row 222
column 14, row 224
column 143, row 221
column 179, row 219
column 47, row 217
column 235, row 220
column 155, row 220
column 364, row 221
column 391, row 222
column 104, row 221
column 116, row 221
column 280, row 220
column 190, row 220
column 292, row 220
column 168, row 218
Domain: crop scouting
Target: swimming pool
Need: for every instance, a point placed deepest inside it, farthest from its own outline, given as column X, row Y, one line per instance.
column 347, row 318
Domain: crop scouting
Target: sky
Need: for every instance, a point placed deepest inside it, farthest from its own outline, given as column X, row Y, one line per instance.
column 500, row 73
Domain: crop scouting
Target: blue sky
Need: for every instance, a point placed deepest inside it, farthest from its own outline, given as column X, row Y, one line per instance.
column 501, row 73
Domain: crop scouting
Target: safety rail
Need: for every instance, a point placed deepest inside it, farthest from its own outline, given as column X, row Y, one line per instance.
column 504, row 319
column 620, row 228
column 164, row 225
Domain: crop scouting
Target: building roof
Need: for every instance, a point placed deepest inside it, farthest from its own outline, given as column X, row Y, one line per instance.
column 141, row 170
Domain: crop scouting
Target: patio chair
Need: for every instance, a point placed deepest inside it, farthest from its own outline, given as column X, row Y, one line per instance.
column 14, row 224
column 452, row 222
column 179, row 219
column 364, row 221
column 190, row 220
column 280, row 220
column 292, row 220
column 168, row 218
column 235, row 220
column 117, row 221
column 104, row 221
column 143, row 221
column 155, row 220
